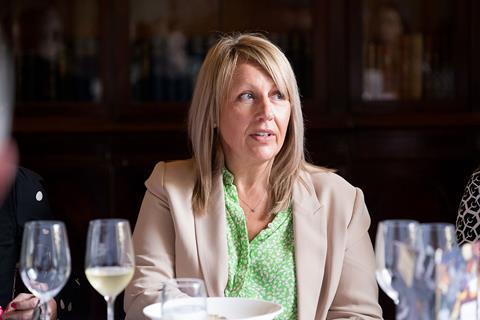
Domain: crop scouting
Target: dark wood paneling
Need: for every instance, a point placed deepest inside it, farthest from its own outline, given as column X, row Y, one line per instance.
column 355, row 41
column 121, row 54
column 418, row 174
column 475, row 55
column 319, row 39
column 462, row 51
column 134, row 157
column 337, row 69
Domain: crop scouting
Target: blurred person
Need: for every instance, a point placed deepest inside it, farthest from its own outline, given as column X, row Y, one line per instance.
column 8, row 149
column 17, row 206
column 8, row 164
column 26, row 201
column 248, row 214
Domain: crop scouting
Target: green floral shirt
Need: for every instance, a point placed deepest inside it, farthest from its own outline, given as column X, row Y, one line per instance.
column 265, row 267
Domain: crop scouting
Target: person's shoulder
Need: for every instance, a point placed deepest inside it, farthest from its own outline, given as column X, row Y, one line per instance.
column 26, row 176
column 29, row 184
column 326, row 178
column 179, row 165
column 30, row 196
column 476, row 173
column 165, row 169
column 167, row 173
column 332, row 189
column 474, row 180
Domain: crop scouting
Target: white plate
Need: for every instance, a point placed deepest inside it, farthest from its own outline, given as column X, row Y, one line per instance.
column 231, row 308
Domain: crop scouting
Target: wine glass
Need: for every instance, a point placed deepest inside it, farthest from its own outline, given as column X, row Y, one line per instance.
column 395, row 262
column 109, row 260
column 435, row 239
column 184, row 298
column 45, row 260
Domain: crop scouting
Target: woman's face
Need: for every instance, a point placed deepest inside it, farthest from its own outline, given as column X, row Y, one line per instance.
column 254, row 119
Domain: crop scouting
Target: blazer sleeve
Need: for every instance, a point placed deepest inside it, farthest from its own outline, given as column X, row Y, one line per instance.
column 357, row 293
column 154, row 245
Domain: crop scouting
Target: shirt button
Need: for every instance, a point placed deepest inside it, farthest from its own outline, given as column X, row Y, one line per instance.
column 39, row 196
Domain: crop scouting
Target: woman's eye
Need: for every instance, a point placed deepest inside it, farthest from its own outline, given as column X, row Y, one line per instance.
column 246, row 96
column 278, row 95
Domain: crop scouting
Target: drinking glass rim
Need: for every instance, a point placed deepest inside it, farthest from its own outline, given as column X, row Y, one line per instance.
column 109, row 220
column 399, row 222
column 183, row 283
column 40, row 222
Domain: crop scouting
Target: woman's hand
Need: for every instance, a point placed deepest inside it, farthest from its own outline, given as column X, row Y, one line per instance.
column 23, row 306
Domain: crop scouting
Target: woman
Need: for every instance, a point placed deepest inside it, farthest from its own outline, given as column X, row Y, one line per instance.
column 247, row 214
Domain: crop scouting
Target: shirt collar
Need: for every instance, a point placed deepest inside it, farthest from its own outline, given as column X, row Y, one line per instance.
column 227, row 177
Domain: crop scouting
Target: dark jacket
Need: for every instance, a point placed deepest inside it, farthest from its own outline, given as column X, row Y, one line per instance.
column 27, row 200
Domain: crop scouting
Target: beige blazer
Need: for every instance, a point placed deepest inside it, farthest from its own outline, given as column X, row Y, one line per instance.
column 333, row 253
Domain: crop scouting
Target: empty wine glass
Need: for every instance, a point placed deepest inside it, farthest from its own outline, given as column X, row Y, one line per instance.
column 434, row 240
column 184, row 298
column 395, row 262
column 437, row 238
column 109, row 260
column 45, row 260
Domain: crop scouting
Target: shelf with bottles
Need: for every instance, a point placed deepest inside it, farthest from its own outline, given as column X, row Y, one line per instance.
column 168, row 44
column 56, row 46
column 409, row 51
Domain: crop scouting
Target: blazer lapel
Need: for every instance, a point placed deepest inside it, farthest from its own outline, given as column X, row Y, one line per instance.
column 309, row 222
column 211, row 238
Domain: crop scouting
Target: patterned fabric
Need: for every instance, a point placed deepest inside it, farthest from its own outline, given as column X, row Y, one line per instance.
column 265, row 267
column 468, row 218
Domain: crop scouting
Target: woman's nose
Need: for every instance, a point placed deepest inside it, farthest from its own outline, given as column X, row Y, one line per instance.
column 266, row 111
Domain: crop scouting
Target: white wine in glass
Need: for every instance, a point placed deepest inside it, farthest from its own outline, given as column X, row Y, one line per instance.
column 109, row 260
column 109, row 281
column 45, row 260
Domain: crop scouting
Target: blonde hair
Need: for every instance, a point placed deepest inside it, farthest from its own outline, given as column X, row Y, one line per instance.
column 211, row 89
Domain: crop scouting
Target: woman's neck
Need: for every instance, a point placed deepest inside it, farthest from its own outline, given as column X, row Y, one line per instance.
column 253, row 178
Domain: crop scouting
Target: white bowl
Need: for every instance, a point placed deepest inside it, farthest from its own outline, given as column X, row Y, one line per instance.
column 230, row 308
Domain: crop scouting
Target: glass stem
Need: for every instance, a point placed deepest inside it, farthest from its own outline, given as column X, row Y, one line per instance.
column 110, row 307
column 44, row 311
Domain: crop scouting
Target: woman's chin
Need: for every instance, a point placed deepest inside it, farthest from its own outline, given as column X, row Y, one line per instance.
column 265, row 156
